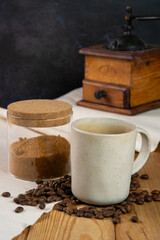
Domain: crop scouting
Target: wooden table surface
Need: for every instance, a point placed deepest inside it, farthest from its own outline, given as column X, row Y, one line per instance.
column 60, row 226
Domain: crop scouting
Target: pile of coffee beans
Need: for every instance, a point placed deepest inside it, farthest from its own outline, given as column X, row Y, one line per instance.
column 60, row 190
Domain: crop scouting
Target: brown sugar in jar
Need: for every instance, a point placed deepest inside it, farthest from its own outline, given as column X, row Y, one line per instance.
column 39, row 139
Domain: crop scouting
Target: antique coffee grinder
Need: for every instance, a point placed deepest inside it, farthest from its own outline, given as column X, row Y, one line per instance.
column 124, row 75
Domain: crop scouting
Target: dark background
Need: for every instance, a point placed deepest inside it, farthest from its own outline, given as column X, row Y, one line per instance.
column 40, row 39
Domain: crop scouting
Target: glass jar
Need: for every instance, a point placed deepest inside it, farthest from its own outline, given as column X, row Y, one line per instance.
column 39, row 139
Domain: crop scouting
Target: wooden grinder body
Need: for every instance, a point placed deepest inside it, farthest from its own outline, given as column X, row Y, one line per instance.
column 130, row 79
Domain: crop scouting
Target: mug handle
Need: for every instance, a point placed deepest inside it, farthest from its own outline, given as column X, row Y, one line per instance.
column 144, row 152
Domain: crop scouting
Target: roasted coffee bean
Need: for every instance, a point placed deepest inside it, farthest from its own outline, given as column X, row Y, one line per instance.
column 122, row 208
column 134, row 181
column 92, row 211
column 42, row 199
column 64, row 209
column 56, row 199
column 131, row 199
column 139, row 202
column 133, row 188
column 144, row 192
column 58, row 207
column 39, row 193
column 147, row 198
column 117, row 213
column 134, row 219
column 136, row 193
column 68, row 185
column 50, row 199
column 137, row 185
column 69, row 210
column 63, row 186
column 19, row 209
column 30, row 192
column 156, row 199
column 123, row 203
column 64, row 196
column 32, row 203
column 83, row 209
column 116, row 220
column 22, row 196
column 155, row 192
column 28, row 195
column 98, row 211
column 75, row 211
column 73, row 198
column 51, row 193
column 68, row 191
column 16, row 200
column 95, row 211
column 69, row 204
column 141, row 197
column 135, row 175
column 108, row 213
column 144, row 176
column 99, row 216
column 73, row 201
column 45, row 184
column 47, row 189
column 78, row 201
column 154, row 196
column 39, row 181
column 42, row 206
column 64, row 202
column 128, row 208
column 79, row 214
column 92, row 207
column 60, row 190
column 88, row 215
column 66, row 176
column 23, row 202
column 6, row 194
column 137, row 197
column 111, row 208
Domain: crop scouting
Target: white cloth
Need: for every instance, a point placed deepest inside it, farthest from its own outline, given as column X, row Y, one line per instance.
column 12, row 224
column 149, row 120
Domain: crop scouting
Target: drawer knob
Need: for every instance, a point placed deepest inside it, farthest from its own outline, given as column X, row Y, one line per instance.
column 99, row 94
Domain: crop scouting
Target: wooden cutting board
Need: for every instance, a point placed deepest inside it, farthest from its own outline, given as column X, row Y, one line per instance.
column 60, row 226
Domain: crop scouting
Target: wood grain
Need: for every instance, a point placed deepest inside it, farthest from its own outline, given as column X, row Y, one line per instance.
column 116, row 95
column 60, row 226
column 145, row 74
column 148, row 214
column 101, row 50
column 129, row 111
column 137, row 70
column 108, row 70
column 65, row 227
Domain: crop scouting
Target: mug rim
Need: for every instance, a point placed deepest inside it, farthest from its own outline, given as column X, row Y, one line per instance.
column 103, row 134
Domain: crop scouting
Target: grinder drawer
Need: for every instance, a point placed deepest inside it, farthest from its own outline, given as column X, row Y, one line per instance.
column 105, row 93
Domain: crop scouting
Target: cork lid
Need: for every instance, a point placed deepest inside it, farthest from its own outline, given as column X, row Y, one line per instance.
column 39, row 113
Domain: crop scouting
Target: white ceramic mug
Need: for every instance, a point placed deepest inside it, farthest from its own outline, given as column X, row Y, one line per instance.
column 102, row 159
